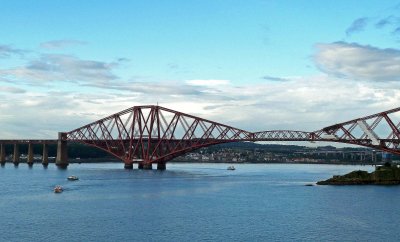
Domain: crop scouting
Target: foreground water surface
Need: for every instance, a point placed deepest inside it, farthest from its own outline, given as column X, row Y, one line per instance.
column 256, row 202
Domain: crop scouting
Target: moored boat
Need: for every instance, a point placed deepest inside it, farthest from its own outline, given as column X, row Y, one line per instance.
column 73, row 178
column 231, row 168
column 58, row 189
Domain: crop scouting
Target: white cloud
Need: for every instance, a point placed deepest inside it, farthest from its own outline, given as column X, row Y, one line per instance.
column 298, row 103
column 11, row 89
column 208, row 83
column 358, row 62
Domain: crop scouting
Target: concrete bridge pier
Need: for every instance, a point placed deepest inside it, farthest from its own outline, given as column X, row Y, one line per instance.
column 30, row 154
column 161, row 166
column 16, row 154
column 145, row 166
column 62, row 151
column 2, row 154
column 45, row 155
column 128, row 166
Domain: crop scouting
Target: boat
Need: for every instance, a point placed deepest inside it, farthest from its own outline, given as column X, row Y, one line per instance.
column 73, row 178
column 231, row 168
column 58, row 189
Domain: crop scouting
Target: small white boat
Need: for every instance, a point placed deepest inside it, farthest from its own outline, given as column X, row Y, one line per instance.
column 58, row 189
column 231, row 168
column 73, row 178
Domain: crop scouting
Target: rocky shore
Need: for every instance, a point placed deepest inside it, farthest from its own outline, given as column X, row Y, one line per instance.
column 383, row 175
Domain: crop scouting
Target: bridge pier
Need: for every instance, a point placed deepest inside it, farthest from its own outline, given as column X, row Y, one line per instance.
column 161, row 166
column 16, row 154
column 147, row 166
column 62, row 151
column 2, row 154
column 128, row 166
column 45, row 155
column 30, row 154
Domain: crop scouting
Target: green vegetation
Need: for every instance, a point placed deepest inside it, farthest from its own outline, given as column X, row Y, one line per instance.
column 383, row 175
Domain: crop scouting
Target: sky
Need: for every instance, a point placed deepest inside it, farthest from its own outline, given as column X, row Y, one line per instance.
column 255, row 65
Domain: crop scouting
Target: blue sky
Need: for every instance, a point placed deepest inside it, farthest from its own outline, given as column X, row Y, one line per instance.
column 294, row 64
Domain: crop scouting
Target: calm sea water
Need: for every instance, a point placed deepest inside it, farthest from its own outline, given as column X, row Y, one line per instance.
column 193, row 202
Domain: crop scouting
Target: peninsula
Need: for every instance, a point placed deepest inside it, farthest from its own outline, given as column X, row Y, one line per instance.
column 383, row 175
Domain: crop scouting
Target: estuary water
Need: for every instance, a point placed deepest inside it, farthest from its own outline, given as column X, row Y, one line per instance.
column 193, row 202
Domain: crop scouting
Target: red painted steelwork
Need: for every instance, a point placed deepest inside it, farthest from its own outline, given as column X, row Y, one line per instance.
column 282, row 135
column 379, row 131
column 153, row 134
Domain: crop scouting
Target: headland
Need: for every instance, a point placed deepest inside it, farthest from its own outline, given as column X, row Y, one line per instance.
column 383, row 175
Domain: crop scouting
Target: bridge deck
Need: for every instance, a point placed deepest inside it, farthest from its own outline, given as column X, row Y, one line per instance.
column 28, row 141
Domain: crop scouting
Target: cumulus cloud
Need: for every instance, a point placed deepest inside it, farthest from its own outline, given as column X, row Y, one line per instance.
column 60, row 44
column 359, row 62
column 358, row 25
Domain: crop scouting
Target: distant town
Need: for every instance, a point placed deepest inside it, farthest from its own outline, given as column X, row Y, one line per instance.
column 267, row 153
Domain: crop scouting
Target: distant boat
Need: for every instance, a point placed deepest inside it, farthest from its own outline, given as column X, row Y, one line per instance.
column 58, row 189
column 73, row 178
column 231, row 168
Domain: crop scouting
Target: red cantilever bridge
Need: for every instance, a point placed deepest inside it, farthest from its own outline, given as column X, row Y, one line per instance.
column 154, row 134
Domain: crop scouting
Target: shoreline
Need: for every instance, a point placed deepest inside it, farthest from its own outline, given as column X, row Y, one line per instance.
column 114, row 160
column 387, row 174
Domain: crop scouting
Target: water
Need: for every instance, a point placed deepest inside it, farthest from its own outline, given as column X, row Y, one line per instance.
column 193, row 202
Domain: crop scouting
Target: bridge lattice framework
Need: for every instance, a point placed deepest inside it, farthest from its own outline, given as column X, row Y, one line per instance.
column 154, row 134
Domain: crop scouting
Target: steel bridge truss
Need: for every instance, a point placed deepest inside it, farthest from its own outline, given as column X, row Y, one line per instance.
column 379, row 131
column 154, row 134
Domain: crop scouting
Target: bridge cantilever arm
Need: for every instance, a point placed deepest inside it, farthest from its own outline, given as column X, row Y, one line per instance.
column 339, row 125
